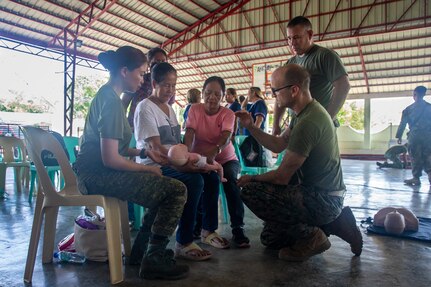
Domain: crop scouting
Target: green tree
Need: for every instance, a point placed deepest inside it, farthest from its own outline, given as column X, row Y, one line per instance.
column 85, row 90
column 21, row 105
column 351, row 115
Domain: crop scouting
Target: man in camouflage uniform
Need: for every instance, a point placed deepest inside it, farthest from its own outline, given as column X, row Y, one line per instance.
column 418, row 116
column 298, row 216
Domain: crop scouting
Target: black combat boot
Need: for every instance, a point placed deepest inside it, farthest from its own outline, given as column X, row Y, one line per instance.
column 344, row 226
column 139, row 247
column 159, row 263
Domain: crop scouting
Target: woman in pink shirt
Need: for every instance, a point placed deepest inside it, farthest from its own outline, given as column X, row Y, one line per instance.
column 208, row 132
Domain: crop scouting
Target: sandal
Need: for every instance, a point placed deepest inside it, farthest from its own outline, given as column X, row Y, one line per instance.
column 215, row 240
column 191, row 252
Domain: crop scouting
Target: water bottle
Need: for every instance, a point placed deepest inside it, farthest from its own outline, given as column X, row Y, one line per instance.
column 65, row 256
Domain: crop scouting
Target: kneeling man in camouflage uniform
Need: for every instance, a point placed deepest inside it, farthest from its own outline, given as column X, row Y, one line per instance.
column 298, row 218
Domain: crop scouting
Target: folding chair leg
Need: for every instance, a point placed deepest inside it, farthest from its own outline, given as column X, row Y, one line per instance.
column 17, row 174
column 49, row 233
column 113, row 233
column 34, row 239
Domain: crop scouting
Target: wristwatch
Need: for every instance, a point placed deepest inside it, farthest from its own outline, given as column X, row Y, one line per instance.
column 142, row 154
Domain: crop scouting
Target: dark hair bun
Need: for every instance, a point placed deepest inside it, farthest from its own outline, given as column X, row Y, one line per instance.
column 125, row 56
column 108, row 60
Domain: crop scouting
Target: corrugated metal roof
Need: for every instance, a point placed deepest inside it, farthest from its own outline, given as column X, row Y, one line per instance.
column 226, row 38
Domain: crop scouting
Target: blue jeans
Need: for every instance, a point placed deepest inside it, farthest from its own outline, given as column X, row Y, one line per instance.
column 235, row 205
column 195, row 185
column 210, row 201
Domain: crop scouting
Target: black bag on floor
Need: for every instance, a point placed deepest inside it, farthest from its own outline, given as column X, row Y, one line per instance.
column 252, row 152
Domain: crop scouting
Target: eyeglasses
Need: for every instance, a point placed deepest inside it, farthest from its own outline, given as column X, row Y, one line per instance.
column 275, row 91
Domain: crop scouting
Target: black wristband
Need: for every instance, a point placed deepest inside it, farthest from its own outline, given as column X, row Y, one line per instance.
column 142, row 154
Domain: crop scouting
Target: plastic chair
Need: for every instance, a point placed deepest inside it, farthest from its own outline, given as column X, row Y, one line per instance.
column 71, row 144
column 224, row 204
column 250, row 170
column 19, row 163
column 48, row 201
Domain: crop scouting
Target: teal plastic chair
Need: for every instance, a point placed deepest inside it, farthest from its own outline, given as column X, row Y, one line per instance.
column 250, row 170
column 224, row 204
column 71, row 144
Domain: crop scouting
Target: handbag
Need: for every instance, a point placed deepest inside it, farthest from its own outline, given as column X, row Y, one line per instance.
column 252, row 152
column 90, row 237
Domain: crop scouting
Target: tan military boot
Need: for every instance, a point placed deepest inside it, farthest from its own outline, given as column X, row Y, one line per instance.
column 304, row 248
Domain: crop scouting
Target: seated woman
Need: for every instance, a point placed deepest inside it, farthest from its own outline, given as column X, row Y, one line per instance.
column 208, row 132
column 101, row 166
column 256, row 106
column 156, row 127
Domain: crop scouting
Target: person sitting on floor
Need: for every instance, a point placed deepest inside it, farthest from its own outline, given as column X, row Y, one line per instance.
column 393, row 154
column 300, row 216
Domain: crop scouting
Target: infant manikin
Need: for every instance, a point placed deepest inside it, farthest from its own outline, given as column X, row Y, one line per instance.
column 178, row 155
column 396, row 220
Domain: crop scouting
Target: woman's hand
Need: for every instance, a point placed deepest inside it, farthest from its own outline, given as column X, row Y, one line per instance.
column 157, row 157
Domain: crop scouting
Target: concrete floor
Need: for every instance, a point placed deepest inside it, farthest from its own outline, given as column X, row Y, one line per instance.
column 385, row 261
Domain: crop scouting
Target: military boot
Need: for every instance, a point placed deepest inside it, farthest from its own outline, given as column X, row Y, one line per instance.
column 159, row 263
column 139, row 247
column 344, row 226
column 413, row 181
column 304, row 248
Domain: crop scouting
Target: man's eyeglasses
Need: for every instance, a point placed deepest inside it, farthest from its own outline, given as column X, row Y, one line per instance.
column 275, row 91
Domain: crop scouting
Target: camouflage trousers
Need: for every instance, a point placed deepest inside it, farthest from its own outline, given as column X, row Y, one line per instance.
column 289, row 212
column 163, row 196
column 420, row 152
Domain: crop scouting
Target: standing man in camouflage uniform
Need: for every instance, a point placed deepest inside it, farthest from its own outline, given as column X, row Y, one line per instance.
column 329, row 81
column 297, row 216
column 418, row 116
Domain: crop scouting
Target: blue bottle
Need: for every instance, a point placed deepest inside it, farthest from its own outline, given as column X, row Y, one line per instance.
column 64, row 256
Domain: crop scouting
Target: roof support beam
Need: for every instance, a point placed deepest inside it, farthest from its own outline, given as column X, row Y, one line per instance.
column 330, row 20
column 401, row 17
column 240, row 61
column 88, row 16
column 247, row 19
column 182, row 39
column 277, row 18
column 305, row 9
column 19, row 46
column 356, row 32
column 364, row 70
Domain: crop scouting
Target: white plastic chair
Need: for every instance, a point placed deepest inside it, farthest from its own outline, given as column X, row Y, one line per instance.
column 10, row 145
column 49, row 200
